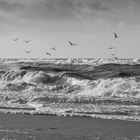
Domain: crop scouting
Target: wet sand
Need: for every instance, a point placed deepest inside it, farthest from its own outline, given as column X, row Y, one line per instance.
column 18, row 126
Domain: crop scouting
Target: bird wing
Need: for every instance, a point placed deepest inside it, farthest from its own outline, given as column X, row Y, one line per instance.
column 115, row 35
column 70, row 42
column 28, row 51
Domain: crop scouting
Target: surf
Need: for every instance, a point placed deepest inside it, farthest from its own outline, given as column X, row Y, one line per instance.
column 81, row 87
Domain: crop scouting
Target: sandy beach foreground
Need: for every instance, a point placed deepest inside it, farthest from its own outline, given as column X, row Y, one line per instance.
column 37, row 127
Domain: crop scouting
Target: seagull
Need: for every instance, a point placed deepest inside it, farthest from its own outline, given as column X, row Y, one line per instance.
column 27, row 41
column 111, row 48
column 16, row 39
column 72, row 44
column 48, row 53
column 115, row 35
column 54, row 48
column 28, row 51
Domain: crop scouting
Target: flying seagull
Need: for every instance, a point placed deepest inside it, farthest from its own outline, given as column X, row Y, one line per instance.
column 72, row 44
column 48, row 53
column 27, row 41
column 115, row 35
column 111, row 48
column 28, row 51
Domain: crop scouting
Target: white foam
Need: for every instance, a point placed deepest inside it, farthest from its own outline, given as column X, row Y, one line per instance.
column 90, row 61
column 116, row 87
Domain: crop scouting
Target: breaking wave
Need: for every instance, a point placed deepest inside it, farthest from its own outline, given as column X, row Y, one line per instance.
column 78, row 88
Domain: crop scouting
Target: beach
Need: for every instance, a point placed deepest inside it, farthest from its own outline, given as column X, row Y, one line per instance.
column 39, row 127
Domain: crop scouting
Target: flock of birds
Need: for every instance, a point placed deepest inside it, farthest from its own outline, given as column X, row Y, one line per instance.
column 47, row 53
column 70, row 43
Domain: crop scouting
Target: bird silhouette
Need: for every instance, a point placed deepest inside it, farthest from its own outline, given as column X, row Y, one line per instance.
column 28, row 51
column 27, row 41
column 48, row 53
column 111, row 48
column 72, row 44
column 115, row 35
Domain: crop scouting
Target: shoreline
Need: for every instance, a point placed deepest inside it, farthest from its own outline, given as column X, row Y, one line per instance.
column 33, row 111
column 42, row 126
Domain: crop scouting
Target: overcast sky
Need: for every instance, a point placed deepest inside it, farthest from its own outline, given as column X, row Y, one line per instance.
column 90, row 23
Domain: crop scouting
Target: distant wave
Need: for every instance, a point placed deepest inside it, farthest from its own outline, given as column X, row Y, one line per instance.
column 92, row 72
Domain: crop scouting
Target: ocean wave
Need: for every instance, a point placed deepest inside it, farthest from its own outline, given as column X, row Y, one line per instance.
column 47, row 85
column 103, row 80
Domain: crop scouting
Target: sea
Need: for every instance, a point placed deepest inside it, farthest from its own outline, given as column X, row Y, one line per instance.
column 82, row 87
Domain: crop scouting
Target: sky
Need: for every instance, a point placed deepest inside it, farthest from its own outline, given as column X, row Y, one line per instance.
column 49, row 23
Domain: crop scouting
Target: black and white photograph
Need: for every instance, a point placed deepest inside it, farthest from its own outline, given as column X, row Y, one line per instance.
column 69, row 69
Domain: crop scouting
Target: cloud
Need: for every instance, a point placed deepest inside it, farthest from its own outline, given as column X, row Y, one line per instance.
column 52, row 9
column 46, row 12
